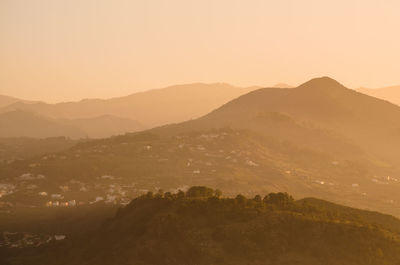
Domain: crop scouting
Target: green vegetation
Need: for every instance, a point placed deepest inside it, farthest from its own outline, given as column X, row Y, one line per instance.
column 197, row 227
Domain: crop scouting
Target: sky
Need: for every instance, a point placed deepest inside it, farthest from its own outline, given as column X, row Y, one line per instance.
column 55, row 50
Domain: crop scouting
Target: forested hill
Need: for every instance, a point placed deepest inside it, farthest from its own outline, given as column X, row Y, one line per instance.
column 201, row 227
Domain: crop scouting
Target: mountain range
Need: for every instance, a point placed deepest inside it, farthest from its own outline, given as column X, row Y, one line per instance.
column 124, row 114
column 19, row 123
column 314, row 114
column 6, row 101
column 319, row 139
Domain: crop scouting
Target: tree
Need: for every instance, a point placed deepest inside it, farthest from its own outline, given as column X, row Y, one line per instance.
column 240, row 199
column 168, row 195
column 199, row 191
column 180, row 194
column 218, row 193
column 280, row 199
column 160, row 193
column 257, row 198
column 149, row 195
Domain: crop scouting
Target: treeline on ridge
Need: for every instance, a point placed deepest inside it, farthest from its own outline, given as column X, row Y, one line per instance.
column 200, row 226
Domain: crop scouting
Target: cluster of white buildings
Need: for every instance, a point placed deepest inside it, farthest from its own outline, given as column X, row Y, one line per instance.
column 6, row 189
column 71, row 203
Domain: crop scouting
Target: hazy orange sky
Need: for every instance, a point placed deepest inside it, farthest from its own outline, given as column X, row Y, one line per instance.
column 67, row 50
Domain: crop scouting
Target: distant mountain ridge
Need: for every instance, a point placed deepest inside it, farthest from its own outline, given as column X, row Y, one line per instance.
column 283, row 85
column 391, row 94
column 314, row 111
column 154, row 107
column 319, row 139
column 28, row 124
column 6, row 100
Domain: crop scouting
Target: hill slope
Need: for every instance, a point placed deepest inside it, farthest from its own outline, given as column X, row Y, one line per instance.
column 319, row 139
column 311, row 115
column 198, row 229
column 27, row 124
column 6, row 100
column 123, row 167
column 21, row 148
column 105, row 126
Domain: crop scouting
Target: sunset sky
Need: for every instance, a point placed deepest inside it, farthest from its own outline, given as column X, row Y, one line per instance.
column 56, row 50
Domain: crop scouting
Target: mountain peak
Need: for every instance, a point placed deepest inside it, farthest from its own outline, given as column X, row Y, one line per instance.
column 282, row 85
column 322, row 85
column 322, row 82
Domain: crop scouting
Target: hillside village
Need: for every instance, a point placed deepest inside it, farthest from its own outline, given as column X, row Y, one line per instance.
column 122, row 168
column 24, row 240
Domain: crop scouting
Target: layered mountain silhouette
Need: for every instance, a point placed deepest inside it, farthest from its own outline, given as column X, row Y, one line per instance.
column 319, row 139
column 155, row 107
column 105, row 125
column 28, row 124
column 6, row 100
column 283, row 85
column 320, row 113
column 391, row 94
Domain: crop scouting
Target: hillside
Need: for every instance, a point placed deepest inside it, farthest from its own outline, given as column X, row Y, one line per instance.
column 319, row 139
column 105, row 126
column 201, row 228
column 391, row 94
column 154, row 107
column 27, row 124
column 311, row 115
column 32, row 125
column 22, row 148
column 120, row 168
column 6, row 100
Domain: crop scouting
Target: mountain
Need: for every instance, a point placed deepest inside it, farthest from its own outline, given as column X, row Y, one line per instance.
column 21, row 148
column 391, row 94
column 105, row 126
column 155, row 107
column 198, row 227
column 283, row 85
column 27, row 124
column 311, row 115
column 319, row 139
column 6, row 100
